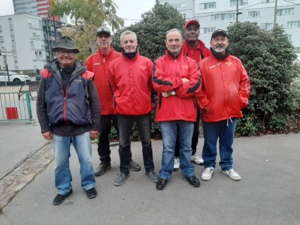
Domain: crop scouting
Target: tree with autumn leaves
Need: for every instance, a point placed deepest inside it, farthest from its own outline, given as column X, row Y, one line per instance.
column 87, row 16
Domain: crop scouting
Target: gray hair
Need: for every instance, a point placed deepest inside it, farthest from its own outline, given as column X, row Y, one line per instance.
column 126, row 32
column 174, row 30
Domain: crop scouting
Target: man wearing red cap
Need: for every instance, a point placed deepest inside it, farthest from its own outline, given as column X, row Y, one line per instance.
column 194, row 48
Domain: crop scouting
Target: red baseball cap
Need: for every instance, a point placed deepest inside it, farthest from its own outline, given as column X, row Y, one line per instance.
column 192, row 22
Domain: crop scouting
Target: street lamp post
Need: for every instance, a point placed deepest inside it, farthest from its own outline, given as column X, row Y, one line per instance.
column 193, row 10
column 54, row 27
column 5, row 54
column 237, row 12
column 275, row 13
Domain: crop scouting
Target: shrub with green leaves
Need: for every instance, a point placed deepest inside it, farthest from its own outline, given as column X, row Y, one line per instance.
column 269, row 58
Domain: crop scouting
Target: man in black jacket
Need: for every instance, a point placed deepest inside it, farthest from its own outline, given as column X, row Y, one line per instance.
column 68, row 110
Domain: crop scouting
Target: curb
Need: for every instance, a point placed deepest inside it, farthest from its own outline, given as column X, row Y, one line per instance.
column 24, row 173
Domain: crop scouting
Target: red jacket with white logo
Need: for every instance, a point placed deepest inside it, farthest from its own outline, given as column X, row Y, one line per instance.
column 130, row 80
column 167, row 76
column 99, row 64
column 225, row 88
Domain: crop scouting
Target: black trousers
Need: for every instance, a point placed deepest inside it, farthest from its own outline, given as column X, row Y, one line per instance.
column 106, row 122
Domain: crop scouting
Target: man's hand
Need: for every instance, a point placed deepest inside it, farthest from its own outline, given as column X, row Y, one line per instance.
column 185, row 81
column 94, row 134
column 244, row 105
column 168, row 94
column 48, row 135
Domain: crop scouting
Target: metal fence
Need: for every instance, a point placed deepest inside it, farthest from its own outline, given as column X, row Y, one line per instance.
column 13, row 109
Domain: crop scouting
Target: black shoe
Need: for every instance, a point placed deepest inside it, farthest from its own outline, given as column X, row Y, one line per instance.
column 134, row 166
column 161, row 183
column 102, row 168
column 193, row 180
column 91, row 193
column 60, row 198
column 152, row 175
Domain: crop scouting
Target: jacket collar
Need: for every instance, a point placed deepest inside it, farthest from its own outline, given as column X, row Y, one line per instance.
column 168, row 54
column 134, row 58
column 109, row 53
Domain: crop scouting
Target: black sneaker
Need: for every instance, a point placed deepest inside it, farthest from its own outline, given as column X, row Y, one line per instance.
column 161, row 183
column 102, row 168
column 134, row 166
column 60, row 198
column 91, row 193
column 193, row 180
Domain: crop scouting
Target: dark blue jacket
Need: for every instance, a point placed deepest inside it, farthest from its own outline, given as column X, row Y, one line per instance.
column 71, row 107
column 77, row 107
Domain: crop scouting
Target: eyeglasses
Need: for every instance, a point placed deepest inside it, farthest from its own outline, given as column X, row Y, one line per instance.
column 103, row 29
column 65, row 52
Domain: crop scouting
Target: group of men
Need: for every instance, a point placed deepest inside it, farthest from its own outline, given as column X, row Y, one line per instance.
column 188, row 79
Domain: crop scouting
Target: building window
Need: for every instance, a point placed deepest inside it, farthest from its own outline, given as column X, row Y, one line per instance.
column 293, row 24
column 208, row 30
column 223, row 16
column 288, row 11
column 240, row 2
column 10, row 22
column 207, row 5
column 253, row 14
column 266, row 25
column 297, row 49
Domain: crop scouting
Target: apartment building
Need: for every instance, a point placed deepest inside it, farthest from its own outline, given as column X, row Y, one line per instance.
column 32, row 7
column 215, row 14
column 29, row 39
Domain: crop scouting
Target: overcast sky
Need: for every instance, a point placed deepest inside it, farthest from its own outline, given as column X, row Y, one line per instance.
column 129, row 10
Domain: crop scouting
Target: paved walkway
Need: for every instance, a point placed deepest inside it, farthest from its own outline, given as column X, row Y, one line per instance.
column 268, row 193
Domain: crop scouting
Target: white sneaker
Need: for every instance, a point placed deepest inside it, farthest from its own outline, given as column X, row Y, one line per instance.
column 207, row 173
column 196, row 159
column 232, row 174
column 176, row 163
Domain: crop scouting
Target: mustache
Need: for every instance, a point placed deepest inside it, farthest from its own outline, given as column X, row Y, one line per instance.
column 220, row 46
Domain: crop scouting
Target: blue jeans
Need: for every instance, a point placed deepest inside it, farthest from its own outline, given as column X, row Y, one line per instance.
column 195, row 137
column 170, row 131
column 83, row 148
column 125, row 124
column 224, row 131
